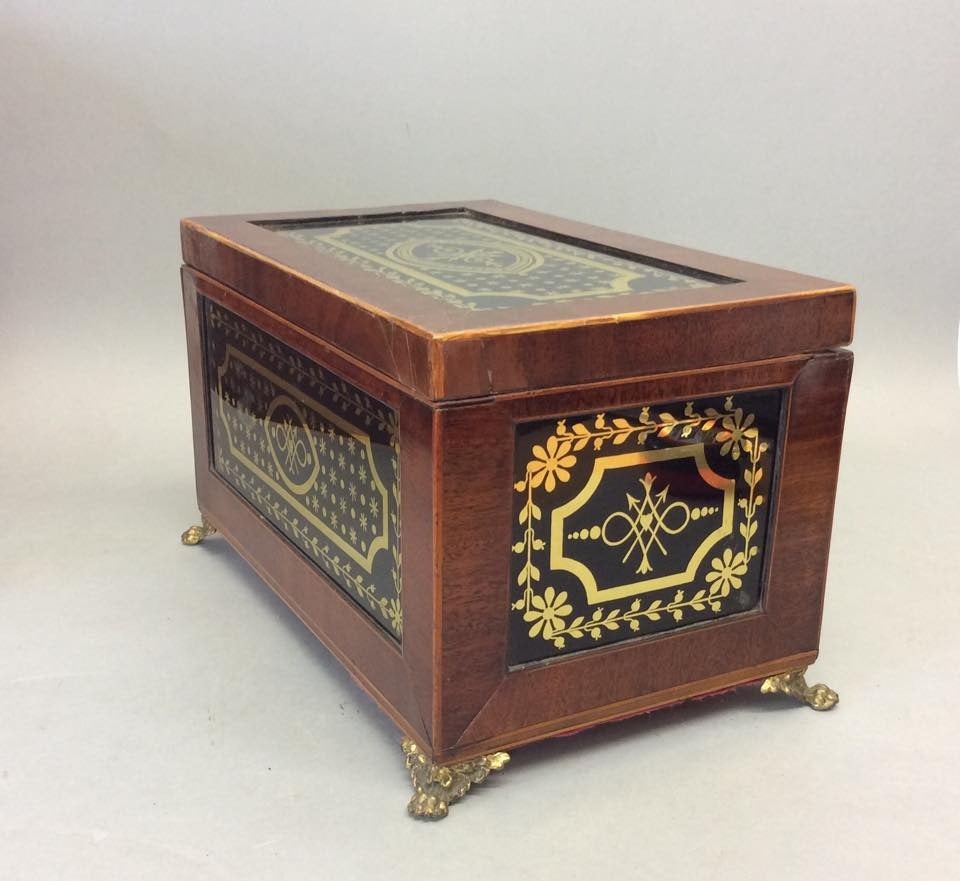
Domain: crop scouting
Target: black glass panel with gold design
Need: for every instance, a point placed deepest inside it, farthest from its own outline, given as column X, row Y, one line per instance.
column 639, row 521
column 477, row 264
column 314, row 455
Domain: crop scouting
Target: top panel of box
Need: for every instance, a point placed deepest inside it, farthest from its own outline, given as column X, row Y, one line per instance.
column 475, row 263
column 465, row 300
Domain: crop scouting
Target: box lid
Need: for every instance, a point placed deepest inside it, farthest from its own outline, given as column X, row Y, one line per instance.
column 472, row 299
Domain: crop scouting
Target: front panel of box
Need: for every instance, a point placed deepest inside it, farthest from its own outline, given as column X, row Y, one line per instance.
column 316, row 456
column 638, row 521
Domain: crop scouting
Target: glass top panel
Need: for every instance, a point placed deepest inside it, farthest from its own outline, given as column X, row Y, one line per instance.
column 480, row 265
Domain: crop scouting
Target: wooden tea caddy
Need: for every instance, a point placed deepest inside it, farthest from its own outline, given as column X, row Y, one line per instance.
column 520, row 475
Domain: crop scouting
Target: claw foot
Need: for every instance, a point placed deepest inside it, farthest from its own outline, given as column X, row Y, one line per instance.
column 818, row 696
column 196, row 534
column 436, row 787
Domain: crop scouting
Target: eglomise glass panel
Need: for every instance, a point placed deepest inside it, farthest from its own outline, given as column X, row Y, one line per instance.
column 316, row 456
column 639, row 521
column 477, row 264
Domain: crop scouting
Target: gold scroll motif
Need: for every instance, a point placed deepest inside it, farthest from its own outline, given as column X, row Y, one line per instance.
column 293, row 448
column 465, row 255
column 476, row 265
column 643, row 526
column 306, row 462
column 641, row 529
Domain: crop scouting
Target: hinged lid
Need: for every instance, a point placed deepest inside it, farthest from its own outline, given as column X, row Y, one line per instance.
column 472, row 299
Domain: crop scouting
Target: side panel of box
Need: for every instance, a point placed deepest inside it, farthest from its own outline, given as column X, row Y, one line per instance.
column 536, row 639
column 640, row 520
column 319, row 474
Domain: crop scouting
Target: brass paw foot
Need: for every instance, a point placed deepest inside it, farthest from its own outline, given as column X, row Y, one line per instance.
column 436, row 787
column 818, row 696
column 196, row 534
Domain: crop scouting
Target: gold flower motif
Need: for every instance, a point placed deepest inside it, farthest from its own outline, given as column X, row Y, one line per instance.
column 550, row 465
column 726, row 572
column 736, row 431
column 548, row 612
column 395, row 614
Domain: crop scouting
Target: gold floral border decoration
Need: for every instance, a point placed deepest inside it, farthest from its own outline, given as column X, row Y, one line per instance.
column 548, row 612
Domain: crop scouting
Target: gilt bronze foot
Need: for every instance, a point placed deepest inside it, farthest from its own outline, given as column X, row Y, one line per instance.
column 436, row 787
column 196, row 534
column 818, row 696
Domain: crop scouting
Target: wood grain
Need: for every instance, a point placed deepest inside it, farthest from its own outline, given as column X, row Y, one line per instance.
column 483, row 702
column 460, row 387
column 401, row 681
column 441, row 352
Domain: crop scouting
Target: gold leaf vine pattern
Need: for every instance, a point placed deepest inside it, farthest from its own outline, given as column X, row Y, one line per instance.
column 394, row 611
column 548, row 611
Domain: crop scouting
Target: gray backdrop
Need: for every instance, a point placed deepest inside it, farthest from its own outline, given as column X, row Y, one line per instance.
column 164, row 717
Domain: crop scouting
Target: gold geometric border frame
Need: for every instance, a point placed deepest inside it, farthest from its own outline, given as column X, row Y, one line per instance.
column 285, row 439
column 641, row 511
column 639, row 521
column 476, row 265
column 317, row 457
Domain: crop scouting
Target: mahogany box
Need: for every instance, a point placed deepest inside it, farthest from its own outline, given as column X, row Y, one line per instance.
column 520, row 475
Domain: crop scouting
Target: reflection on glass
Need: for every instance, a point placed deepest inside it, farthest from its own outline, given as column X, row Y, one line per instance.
column 637, row 521
column 316, row 456
column 477, row 264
